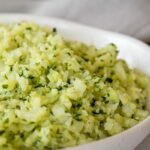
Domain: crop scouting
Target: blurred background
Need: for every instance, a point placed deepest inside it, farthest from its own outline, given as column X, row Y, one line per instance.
column 131, row 17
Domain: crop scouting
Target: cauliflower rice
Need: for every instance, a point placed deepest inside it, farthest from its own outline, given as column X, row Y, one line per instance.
column 56, row 93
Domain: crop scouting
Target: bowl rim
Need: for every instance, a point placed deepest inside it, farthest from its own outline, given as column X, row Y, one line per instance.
column 146, row 47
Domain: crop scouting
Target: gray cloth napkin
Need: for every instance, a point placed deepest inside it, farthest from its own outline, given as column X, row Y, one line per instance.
column 131, row 17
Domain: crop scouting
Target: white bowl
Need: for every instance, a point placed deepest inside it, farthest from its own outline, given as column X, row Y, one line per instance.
column 135, row 52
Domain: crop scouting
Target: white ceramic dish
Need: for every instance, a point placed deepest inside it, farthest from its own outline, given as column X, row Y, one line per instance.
column 136, row 53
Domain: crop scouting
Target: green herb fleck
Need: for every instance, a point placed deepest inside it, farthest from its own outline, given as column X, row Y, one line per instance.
column 54, row 30
column 5, row 86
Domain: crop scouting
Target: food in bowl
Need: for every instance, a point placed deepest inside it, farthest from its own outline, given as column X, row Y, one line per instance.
column 56, row 93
